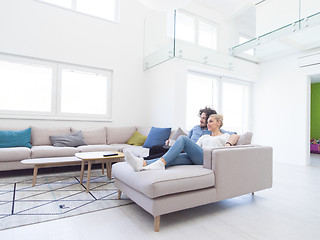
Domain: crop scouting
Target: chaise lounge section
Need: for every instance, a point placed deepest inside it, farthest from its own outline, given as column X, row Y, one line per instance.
column 226, row 173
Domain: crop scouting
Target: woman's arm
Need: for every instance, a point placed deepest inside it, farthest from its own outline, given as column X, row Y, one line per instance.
column 233, row 139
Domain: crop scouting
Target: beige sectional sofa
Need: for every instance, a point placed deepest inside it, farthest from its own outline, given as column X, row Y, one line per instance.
column 98, row 139
column 227, row 172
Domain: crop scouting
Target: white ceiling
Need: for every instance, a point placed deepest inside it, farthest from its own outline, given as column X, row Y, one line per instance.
column 227, row 6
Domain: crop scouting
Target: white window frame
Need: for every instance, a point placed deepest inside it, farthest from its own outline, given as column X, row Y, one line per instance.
column 219, row 98
column 198, row 19
column 34, row 62
column 73, row 8
column 108, row 74
column 55, row 113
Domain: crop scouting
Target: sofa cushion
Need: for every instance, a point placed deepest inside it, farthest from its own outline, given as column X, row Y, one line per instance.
column 177, row 133
column 119, row 146
column 137, row 151
column 14, row 154
column 244, row 139
column 137, row 139
column 97, row 148
column 119, row 134
column 93, row 136
column 157, row 136
column 19, row 138
column 158, row 183
column 69, row 140
column 51, row 151
column 144, row 130
column 40, row 136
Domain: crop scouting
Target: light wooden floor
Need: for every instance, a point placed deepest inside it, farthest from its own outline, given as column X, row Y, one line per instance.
column 315, row 160
column 290, row 210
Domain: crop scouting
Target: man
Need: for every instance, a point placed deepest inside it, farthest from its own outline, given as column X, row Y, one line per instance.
column 194, row 134
column 197, row 131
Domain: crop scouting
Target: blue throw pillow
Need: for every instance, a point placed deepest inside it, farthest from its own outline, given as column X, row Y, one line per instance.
column 15, row 138
column 157, row 136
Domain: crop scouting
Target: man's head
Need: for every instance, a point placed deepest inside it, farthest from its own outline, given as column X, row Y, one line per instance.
column 204, row 115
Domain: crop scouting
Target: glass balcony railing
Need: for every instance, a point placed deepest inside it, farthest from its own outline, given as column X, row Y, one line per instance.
column 301, row 35
column 184, row 35
column 161, row 43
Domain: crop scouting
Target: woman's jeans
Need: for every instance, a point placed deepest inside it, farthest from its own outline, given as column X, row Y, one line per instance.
column 193, row 153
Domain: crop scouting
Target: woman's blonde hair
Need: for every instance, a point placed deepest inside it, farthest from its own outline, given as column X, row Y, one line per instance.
column 218, row 117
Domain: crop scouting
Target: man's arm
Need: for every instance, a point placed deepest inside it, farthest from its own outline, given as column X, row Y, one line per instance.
column 190, row 133
column 229, row 132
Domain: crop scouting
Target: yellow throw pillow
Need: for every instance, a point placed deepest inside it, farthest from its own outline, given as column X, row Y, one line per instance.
column 137, row 139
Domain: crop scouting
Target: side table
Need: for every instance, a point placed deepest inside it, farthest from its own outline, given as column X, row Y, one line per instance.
column 98, row 157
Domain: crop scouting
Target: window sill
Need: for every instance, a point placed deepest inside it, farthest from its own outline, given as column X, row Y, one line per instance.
column 57, row 118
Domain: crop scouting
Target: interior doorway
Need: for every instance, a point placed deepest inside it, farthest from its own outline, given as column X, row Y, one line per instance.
column 314, row 160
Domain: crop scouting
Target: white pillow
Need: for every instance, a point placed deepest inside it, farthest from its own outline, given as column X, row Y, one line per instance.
column 93, row 136
column 245, row 139
column 119, row 134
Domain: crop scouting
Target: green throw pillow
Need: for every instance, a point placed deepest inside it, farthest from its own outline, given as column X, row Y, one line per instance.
column 137, row 139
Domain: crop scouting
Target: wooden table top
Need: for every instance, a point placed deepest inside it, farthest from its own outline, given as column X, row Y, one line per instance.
column 98, row 155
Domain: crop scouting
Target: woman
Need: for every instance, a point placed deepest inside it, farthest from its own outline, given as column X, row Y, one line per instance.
column 193, row 152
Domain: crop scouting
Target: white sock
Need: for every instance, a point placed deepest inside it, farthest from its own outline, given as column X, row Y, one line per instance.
column 135, row 162
column 157, row 165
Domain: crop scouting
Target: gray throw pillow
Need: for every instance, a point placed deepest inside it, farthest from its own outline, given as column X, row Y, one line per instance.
column 245, row 139
column 70, row 140
column 177, row 134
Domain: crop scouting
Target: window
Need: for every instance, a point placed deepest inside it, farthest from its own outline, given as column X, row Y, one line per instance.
column 19, row 87
column 226, row 96
column 235, row 106
column 43, row 89
column 191, row 28
column 207, row 35
column 99, row 8
column 106, row 9
column 201, row 91
column 185, row 27
column 83, row 92
column 243, row 39
column 61, row 3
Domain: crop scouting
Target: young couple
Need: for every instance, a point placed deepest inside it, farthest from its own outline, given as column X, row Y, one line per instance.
column 193, row 151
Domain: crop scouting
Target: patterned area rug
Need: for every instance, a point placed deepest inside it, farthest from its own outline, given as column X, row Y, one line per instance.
column 54, row 196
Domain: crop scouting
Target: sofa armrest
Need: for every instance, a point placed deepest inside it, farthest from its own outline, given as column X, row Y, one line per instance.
column 240, row 170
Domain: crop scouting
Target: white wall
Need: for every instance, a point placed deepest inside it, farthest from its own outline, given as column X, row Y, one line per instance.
column 31, row 28
column 281, row 109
